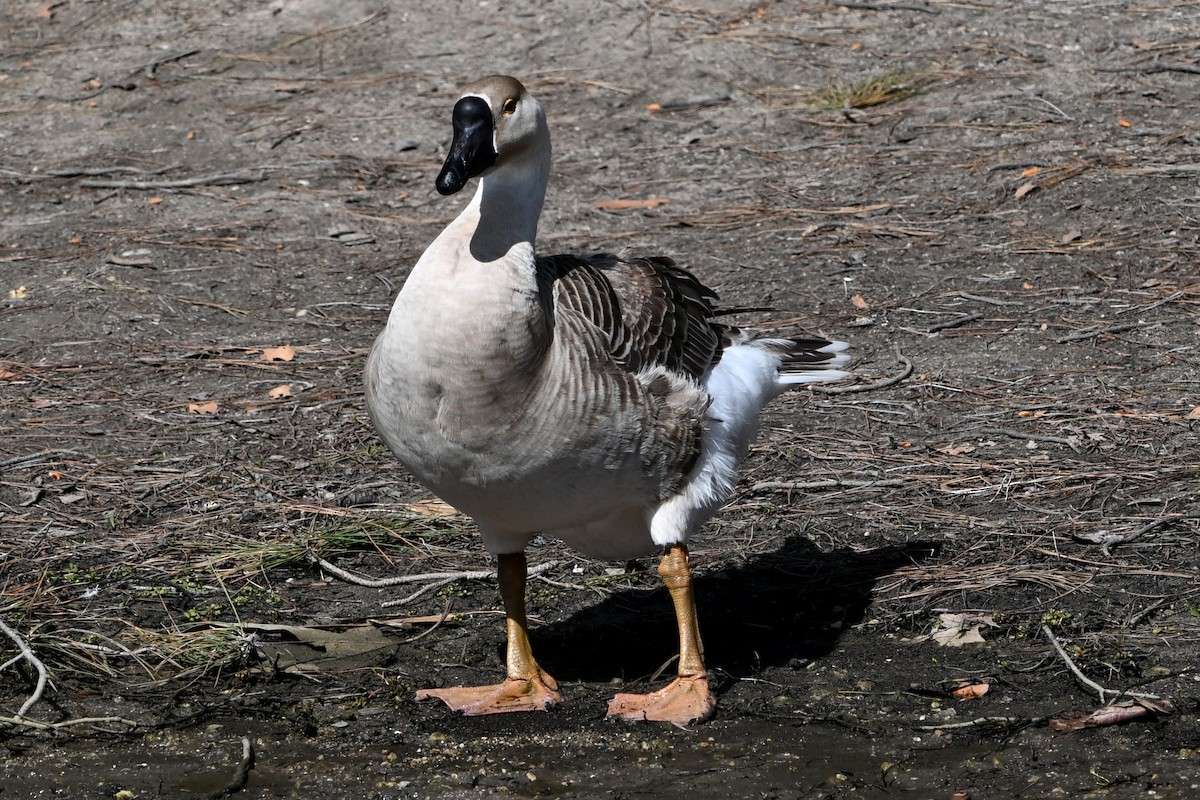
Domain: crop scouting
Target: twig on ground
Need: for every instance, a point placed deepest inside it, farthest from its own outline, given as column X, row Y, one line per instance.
column 1078, row 337
column 859, row 5
column 1034, row 437
column 1084, row 679
column 1024, row 164
column 1192, row 69
column 27, row 654
column 1009, row 722
column 1108, row 540
column 218, row 179
column 1171, row 298
column 66, row 723
column 579, row 587
column 829, row 483
column 423, row 590
column 954, row 323
column 445, row 616
column 10, row 462
column 238, row 782
column 905, row 371
column 378, row 583
column 994, row 301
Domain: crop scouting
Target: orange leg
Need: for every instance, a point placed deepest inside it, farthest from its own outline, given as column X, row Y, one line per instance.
column 687, row 698
column 526, row 687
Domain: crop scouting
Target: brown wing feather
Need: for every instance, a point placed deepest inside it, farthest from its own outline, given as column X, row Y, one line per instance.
column 654, row 312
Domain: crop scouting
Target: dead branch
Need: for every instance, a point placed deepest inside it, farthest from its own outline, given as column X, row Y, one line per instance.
column 954, row 323
column 27, row 654
column 1078, row 337
column 905, row 371
column 378, row 583
column 858, row 5
column 25, row 459
column 1008, row 722
column 218, row 179
column 830, row 483
column 67, row 723
column 238, row 782
column 1191, row 69
column 989, row 300
column 1108, row 540
column 1171, row 298
column 1084, row 679
column 1033, row 437
column 423, row 590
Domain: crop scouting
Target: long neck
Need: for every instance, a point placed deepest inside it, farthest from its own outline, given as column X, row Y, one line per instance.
column 508, row 203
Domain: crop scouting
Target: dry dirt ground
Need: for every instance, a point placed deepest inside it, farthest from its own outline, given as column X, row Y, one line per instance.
column 207, row 207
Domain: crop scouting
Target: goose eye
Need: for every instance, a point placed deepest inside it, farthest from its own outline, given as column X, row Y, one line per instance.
column 510, row 105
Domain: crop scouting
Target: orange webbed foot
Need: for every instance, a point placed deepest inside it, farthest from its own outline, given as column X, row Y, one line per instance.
column 514, row 694
column 683, row 701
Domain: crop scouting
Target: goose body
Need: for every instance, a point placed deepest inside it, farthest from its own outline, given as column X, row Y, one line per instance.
column 591, row 398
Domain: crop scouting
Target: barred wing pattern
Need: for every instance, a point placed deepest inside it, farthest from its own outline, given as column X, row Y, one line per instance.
column 654, row 312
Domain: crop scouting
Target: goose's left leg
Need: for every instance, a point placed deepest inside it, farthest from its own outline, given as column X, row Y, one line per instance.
column 526, row 687
column 687, row 698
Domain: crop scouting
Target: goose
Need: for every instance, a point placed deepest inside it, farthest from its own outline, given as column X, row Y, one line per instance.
column 590, row 398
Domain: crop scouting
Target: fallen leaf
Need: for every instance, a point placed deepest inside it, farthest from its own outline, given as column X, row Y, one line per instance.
column 1124, row 123
column 431, row 508
column 283, row 353
column 1141, row 44
column 654, row 107
column 71, row 497
column 971, row 691
column 75, row 240
column 202, row 408
column 153, row 201
column 617, row 204
column 282, row 390
column 1025, row 189
column 299, row 649
column 859, row 302
column 1070, row 236
column 5, row 375
column 1194, row 413
column 1029, row 173
column 957, row 630
column 955, row 449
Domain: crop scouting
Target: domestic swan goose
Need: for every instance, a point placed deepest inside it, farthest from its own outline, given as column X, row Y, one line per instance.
column 592, row 398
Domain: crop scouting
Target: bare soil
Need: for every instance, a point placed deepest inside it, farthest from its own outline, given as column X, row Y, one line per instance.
column 185, row 185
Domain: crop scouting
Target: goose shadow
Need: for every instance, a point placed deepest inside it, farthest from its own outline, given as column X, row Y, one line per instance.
column 779, row 607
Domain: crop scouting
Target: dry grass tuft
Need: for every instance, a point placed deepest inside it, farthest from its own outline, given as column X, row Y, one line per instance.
column 890, row 86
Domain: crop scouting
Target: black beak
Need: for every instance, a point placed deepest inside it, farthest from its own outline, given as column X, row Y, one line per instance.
column 472, row 150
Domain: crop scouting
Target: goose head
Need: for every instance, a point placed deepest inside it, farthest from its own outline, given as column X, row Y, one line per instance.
column 497, row 123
